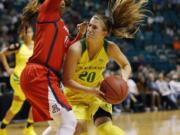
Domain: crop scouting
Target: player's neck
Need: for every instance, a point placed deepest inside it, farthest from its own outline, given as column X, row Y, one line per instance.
column 93, row 47
column 29, row 44
column 94, row 44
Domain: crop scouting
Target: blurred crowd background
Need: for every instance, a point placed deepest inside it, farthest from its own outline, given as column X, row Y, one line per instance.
column 154, row 53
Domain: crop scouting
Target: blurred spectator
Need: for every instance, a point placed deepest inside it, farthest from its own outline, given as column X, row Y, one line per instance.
column 174, row 85
column 153, row 92
column 134, row 100
column 169, row 100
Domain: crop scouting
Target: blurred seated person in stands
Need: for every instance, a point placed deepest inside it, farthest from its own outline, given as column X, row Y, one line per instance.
column 134, row 101
column 169, row 100
column 174, row 85
column 153, row 92
column 178, row 71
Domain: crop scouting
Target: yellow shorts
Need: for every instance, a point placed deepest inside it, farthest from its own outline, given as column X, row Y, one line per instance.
column 15, row 84
column 85, row 106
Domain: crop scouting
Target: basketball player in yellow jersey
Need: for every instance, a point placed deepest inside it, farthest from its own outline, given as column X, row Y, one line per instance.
column 86, row 60
column 22, row 53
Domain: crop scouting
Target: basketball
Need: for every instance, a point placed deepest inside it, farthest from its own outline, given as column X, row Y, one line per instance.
column 115, row 89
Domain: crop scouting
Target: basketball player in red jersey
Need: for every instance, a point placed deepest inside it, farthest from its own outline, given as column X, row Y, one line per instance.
column 39, row 79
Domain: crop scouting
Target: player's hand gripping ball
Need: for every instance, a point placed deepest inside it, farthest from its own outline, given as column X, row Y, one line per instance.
column 115, row 89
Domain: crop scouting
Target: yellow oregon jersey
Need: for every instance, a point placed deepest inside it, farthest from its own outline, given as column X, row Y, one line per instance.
column 90, row 72
column 22, row 57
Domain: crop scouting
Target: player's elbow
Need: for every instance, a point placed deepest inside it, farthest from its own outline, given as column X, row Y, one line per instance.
column 127, row 67
column 130, row 68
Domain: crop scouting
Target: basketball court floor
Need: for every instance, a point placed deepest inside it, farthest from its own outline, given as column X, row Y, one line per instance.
column 148, row 123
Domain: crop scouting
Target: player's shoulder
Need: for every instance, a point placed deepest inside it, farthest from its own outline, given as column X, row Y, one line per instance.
column 109, row 44
column 112, row 47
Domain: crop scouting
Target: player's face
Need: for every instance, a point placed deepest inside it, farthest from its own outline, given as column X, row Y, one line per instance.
column 95, row 29
column 29, row 34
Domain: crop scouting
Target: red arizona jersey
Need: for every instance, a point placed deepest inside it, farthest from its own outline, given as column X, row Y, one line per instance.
column 51, row 37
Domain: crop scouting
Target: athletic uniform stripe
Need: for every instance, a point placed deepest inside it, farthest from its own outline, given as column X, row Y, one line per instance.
column 61, row 103
column 52, row 44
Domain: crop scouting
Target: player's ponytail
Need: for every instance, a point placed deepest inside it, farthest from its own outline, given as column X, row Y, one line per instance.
column 127, row 16
column 29, row 12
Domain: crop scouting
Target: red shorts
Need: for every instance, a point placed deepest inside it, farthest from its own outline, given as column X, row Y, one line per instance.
column 42, row 90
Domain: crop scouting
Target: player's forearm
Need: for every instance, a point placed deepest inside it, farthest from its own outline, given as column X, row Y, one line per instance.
column 76, row 87
column 4, row 61
column 126, row 71
column 78, row 37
